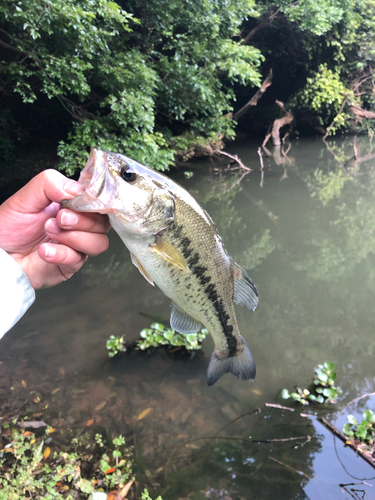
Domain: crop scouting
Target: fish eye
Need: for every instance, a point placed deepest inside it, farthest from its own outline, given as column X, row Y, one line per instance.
column 127, row 175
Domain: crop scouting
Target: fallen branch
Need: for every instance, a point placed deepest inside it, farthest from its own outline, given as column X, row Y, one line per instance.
column 278, row 124
column 235, row 158
column 289, row 467
column 346, row 440
column 278, row 406
column 306, row 438
column 254, row 100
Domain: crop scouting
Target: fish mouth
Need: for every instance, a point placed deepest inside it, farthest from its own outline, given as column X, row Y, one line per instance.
column 98, row 183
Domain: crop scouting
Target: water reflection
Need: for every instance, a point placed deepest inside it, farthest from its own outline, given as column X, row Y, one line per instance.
column 309, row 242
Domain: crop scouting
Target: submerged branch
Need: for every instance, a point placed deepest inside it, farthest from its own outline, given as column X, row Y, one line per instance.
column 290, row 468
column 236, row 159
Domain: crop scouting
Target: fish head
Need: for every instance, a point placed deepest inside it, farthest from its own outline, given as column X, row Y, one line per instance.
column 135, row 197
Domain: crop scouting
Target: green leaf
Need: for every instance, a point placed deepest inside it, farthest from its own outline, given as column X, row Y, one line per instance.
column 352, row 420
column 347, row 430
column 295, row 395
column 85, row 486
column 369, row 416
column 361, row 432
column 285, row 394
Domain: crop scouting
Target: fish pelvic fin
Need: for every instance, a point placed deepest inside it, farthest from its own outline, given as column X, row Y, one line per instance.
column 182, row 322
column 141, row 269
column 241, row 365
column 169, row 253
column 245, row 293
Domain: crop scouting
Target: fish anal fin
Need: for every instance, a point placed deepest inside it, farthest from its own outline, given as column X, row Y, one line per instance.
column 245, row 293
column 141, row 269
column 241, row 365
column 169, row 253
column 182, row 322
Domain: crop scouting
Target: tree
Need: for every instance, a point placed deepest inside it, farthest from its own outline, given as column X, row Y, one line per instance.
column 147, row 87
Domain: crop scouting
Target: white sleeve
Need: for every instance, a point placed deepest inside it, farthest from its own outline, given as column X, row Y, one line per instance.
column 16, row 292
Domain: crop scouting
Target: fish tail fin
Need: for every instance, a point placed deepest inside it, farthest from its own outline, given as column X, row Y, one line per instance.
column 241, row 365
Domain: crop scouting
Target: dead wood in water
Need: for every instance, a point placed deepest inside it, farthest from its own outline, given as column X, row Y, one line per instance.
column 277, row 125
column 347, row 441
column 236, row 159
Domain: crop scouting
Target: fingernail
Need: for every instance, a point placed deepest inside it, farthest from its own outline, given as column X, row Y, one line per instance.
column 73, row 188
column 69, row 219
column 51, row 226
column 49, row 252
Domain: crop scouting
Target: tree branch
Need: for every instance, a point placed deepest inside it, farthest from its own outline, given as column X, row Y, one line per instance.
column 254, row 100
column 268, row 20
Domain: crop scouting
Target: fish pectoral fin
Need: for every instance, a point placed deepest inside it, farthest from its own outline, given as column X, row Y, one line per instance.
column 141, row 269
column 169, row 253
column 245, row 293
column 182, row 322
column 241, row 365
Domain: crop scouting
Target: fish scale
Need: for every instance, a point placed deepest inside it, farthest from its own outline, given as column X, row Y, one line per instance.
column 176, row 246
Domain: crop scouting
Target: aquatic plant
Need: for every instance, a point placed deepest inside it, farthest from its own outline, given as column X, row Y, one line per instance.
column 31, row 469
column 364, row 431
column 158, row 335
column 323, row 390
column 115, row 345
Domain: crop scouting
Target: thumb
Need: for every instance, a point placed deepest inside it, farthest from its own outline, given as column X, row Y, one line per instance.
column 47, row 187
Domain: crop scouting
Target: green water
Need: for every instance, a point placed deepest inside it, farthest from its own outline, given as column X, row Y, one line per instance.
column 305, row 231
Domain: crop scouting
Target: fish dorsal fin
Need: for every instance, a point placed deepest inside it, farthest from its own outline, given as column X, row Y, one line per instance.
column 169, row 253
column 141, row 269
column 245, row 293
column 182, row 322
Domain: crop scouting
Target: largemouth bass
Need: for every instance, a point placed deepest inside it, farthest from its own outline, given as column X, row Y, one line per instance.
column 175, row 246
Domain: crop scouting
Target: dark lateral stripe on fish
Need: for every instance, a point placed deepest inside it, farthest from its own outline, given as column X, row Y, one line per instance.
column 210, row 290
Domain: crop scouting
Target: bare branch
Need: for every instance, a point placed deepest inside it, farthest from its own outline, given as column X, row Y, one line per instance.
column 268, row 19
column 254, row 100
column 235, row 158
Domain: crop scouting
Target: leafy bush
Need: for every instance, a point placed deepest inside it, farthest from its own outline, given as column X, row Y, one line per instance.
column 158, row 335
column 323, row 391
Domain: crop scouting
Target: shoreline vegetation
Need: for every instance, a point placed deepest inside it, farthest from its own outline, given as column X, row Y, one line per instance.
column 167, row 82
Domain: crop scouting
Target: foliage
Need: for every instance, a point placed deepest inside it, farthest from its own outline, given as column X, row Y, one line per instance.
column 140, row 80
column 323, row 95
column 364, row 431
column 158, row 335
column 146, row 495
column 30, row 469
column 115, row 345
column 323, row 391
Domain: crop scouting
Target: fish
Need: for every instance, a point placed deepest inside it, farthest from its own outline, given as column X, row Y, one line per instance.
column 175, row 245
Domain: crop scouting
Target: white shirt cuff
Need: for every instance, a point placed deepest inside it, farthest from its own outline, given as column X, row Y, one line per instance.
column 16, row 292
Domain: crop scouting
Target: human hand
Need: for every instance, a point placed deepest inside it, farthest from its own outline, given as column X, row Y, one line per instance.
column 48, row 243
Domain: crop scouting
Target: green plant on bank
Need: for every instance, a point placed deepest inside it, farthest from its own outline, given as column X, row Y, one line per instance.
column 115, row 345
column 31, row 470
column 146, row 496
column 158, row 335
column 364, row 431
column 323, row 391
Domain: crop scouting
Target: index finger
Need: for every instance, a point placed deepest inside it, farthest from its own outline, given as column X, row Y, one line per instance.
column 81, row 221
column 47, row 187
